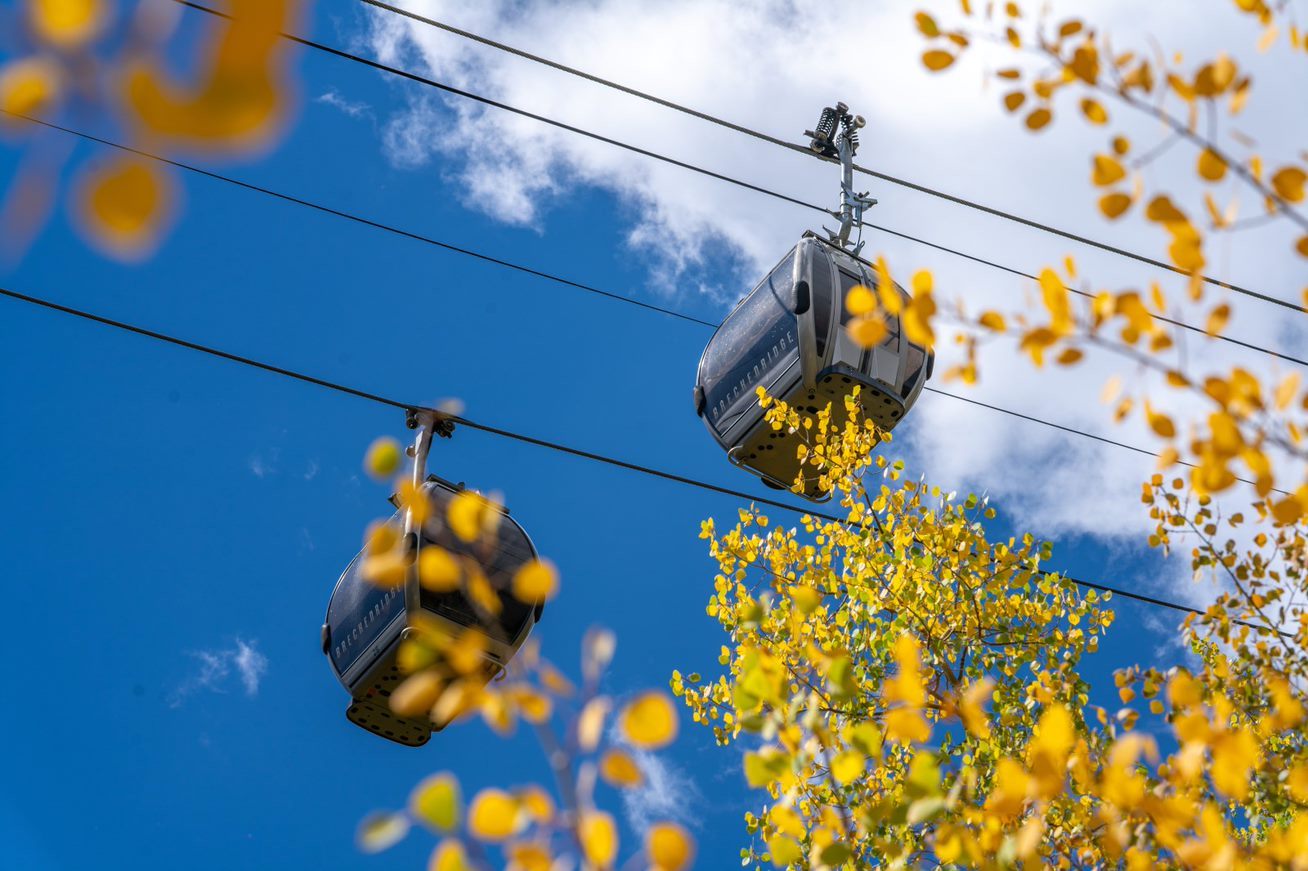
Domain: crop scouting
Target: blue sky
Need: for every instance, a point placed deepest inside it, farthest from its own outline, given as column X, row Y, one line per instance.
column 162, row 509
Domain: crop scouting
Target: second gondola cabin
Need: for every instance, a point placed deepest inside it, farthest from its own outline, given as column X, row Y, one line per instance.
column 787, row 336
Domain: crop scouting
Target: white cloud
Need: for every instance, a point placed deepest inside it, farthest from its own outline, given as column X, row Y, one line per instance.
column 772, row 65
column 353, row 108
column 667, row 795
column 214, row 670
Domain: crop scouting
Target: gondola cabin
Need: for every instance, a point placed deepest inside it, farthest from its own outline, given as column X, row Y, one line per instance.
column 366, row 623
column 788, row 337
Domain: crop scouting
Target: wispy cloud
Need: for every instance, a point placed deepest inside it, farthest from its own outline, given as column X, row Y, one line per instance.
column 216, row 670
column 261, row 468
column 667, row 795
column 353, row 108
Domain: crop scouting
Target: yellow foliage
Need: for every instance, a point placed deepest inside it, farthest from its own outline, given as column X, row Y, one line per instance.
column 649, row 721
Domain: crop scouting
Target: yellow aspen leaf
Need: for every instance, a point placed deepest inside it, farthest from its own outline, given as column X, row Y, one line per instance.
column 1217, row 320
column 472, row 515
column 1107, row 170
column 599, row 838
column 383, row 458
column 535, row 803
column 1288, row 510
column 1014, row 38
column 1157, row 297
column 785, row 851
column 67, row 24
column 1035, row 342
column 590, row 723
column 1013, row 100
column 29, row 87
column 920, row 310
column 971, row 708
column 1286, row 391
column 1113, row 205
column 1239, row 96
column 860, row 301
column 1038, row 119
column 448, row 856
column 1085, row 63
column 1057, row 300
column 555, row 681
column 417, row 695
column 867, row 331
column 1297, row 783
column 1288, row 182
column 887, row 293
column 1121, row 145
column 994, row 321
column 1211, row 166
column 649, row 721
column 1028, row 838
column 1111, row 390
column 1160, row 423
column 435, row 802
column 1069, row 265
column 493, row 816
column 1268, row 38
column 1302, row 246
column 382, row 535
column 381, row 831
column 1069, row 357
column 1011, row 786
column 848, row 766
column 1235, row 755
column 124, row 203
column 937, row 59
column 536, row 707
column 1009, row 73
column 1214, row 213
column 1183, row 691
column 619, row 769
column 438, row 570
column 481, row 592
column 885, row 283
column 926, row 25
column 414, row 500
column 670, row 847
column 387, row 569
column 1161, row 210
column 1094, row 111
column 1051, row 744
column 535, row 581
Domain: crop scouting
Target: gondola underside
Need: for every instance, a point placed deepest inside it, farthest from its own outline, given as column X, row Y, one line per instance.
column 772, row 454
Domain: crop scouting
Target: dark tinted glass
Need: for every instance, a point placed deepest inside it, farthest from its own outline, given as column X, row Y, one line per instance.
column 822, row 298
column 358, row 613
column 500, row 560
column 848, row 281
column 756, row 342
column 916, row 363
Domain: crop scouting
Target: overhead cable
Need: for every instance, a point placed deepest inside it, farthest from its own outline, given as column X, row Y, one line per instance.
column 576, row 284
column 501, row 432
column 803, row 149
column 418, row 237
